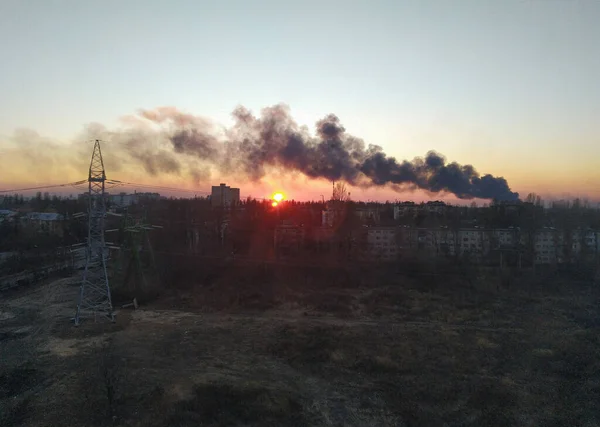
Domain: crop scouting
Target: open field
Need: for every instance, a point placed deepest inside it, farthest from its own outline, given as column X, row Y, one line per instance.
column 318, row 353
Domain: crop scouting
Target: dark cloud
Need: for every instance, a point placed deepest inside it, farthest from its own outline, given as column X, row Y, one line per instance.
column 275, row 140
column 165, row 140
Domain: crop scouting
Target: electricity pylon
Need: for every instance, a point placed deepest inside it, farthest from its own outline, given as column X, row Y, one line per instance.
column 94, row 294
column 135, row 239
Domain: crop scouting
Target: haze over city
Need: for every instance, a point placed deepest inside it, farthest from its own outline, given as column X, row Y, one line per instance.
column 507, row 87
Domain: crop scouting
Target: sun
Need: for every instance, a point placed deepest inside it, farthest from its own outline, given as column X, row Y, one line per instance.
column 278, row 197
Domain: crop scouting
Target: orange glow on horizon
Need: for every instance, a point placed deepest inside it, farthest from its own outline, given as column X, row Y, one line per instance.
column 278, row 197
column 274, row 204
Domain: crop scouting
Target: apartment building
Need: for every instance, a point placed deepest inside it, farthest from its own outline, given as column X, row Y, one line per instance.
column 390, row 242
column 591, row 240
column 435, row 207
column 382, row 242
column 224, row 196
column 549, row 245
column 368, row 214
column 44, row 222
column 557, row 246
column 122, row 200
column 335, row 212
column 7, row 215
column 506, row 238
column 405, row 209
column 329, row 217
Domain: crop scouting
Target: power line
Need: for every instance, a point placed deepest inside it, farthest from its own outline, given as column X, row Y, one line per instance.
column 157, row 187
column 116, row 183
column 113, row 182
column 43, row 187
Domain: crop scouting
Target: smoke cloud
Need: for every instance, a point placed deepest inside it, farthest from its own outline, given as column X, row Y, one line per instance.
column 167, row 141
column 274, row 140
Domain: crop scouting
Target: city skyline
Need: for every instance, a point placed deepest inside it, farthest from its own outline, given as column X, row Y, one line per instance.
column 508, row 88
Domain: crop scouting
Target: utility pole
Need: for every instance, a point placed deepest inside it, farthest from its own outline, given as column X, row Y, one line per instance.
column 94, row 294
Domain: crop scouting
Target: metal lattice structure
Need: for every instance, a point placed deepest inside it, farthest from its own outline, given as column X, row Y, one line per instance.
column 94, row 295
column 136, row 237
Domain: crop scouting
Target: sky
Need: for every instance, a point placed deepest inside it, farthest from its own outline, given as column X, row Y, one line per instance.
column 508, row 86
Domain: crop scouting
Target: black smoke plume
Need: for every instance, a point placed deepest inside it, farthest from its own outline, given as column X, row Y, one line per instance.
column 275, row 140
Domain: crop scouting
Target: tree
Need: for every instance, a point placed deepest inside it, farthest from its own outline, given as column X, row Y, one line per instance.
column 102, row 380
column 533, row 199
column 340, row 192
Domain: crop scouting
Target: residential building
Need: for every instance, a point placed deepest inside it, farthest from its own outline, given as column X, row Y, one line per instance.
column 333, row 213
column 512, row 207
column 479, row 244
column 147, row 196
column 435, row 207
column 368, row 214
column 443, row 241
column 554, row 246
column 382, row 242
column 405, row 209
column 122, row 199
column 224, row 196
column 506, row 238
column 7, row 215
column 328, row 217
column 47, row 222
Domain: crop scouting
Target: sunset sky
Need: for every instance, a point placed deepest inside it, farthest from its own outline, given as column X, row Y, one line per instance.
column 508, row 86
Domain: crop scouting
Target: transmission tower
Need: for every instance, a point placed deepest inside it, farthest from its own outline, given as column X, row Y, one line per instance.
column 136, row 237
column 94, row 295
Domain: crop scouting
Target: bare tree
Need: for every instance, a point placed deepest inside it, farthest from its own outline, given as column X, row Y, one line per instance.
column 340, row 192
column 531, row 198
column 103, row 380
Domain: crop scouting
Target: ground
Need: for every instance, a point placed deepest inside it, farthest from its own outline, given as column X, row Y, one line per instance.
column 398, row 353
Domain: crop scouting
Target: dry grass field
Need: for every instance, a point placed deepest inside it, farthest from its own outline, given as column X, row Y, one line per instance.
column 312, row 352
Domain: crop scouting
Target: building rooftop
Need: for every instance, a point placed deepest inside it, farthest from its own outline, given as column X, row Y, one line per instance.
column 45, row 216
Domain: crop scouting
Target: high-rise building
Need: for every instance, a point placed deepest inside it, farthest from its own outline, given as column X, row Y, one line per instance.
column 225, row 196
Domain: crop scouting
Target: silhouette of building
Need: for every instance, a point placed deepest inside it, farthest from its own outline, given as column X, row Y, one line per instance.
column 224, row 196
column 47, row 222
column 123, row 200
column 405, row 209
column 435, row 207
